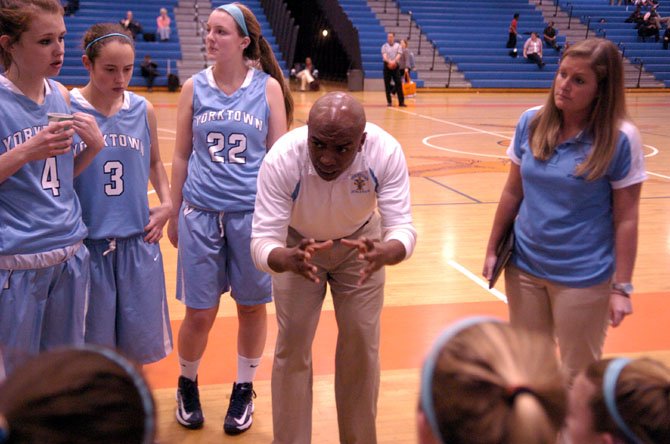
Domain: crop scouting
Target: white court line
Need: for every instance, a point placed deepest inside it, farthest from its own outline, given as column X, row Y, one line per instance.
column 477, row 280
column 654, row 150
column 454, row 124
column 425, row 141
column 658, row 175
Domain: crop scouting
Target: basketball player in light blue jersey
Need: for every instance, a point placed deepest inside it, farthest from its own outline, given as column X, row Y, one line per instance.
column 128, row 305
column 228, row 116
column 44, row 267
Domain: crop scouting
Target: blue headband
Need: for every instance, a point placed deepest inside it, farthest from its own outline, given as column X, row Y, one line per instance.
column 236, row 13
column 427, row 402
column 610, row 379
column 112, row 34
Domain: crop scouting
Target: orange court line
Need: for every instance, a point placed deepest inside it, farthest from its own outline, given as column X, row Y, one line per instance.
column 407, row 333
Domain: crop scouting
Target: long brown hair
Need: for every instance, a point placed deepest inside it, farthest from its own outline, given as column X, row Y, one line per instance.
column 608, row 109
column 642, row 398
column 494, row 384
column 259, row 49
column 16, row 16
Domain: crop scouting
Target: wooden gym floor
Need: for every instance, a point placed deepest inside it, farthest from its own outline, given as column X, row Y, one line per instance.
column 455, row 146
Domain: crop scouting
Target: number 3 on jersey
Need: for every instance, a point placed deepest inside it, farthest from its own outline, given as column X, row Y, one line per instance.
column 50, row 176
column 237, row 145
column 115, row 170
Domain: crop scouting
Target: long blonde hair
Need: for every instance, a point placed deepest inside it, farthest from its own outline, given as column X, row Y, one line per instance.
column 608, row 109
column 494, row 384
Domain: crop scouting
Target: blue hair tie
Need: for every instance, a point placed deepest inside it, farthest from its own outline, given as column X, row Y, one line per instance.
column 427, row 404
column 236, row 13
column 610, row 379
column 111, row 34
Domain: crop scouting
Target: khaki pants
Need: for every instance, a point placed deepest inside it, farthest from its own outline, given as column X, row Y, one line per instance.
column 357, row 310
column 576, row 317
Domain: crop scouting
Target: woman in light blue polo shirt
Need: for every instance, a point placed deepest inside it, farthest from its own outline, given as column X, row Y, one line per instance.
column 573, row 192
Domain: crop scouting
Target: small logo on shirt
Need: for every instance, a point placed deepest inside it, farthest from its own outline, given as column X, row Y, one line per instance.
column 360, row 183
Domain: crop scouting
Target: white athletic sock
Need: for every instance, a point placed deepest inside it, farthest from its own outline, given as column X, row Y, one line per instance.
column 246, row 368
column 189, row 369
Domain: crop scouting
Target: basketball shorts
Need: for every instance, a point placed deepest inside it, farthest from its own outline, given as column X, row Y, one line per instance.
column 43, row 299
column 128, row 304
column 214, row 257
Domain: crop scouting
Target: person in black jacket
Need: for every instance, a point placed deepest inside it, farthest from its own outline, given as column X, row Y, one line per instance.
column 149, row 71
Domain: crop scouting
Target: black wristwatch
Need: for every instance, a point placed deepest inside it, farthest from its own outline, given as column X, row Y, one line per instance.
column 624, row 288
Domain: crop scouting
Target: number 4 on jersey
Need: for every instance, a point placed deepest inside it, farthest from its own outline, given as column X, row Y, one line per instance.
column 50, row 176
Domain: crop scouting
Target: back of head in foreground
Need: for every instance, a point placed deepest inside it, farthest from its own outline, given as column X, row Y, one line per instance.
column 485, row 382
column 82, row 395
column 621, row 401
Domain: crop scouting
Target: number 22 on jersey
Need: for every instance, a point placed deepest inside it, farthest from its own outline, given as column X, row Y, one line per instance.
column 237, row 145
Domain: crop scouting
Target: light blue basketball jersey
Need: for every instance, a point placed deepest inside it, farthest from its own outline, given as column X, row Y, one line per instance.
column 113, row 188
column 229, row 143
column 39, row 210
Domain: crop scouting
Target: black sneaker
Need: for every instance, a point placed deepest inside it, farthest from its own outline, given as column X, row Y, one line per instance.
column 241, row 408
column 189, row 413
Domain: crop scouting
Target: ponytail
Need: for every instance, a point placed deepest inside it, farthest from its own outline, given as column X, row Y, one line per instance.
column 269, row 64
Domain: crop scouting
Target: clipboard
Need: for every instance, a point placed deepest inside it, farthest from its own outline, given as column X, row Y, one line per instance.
column 503, row 252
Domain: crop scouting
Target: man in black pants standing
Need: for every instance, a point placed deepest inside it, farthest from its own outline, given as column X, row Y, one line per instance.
column 391, row 53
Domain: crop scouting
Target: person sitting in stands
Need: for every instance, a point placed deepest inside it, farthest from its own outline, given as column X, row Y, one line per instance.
column 550, row 36
column 532, row 50
column 163, row 25
column 130, row 24
column 649, row 28
column 149, row 71
column 71, row 6
column 308, row 75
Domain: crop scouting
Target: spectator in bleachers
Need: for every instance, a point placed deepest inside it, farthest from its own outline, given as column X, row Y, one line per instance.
column 666, row 37
column 130, row 24
column 71, row 6
column 649, row 28
column 163, row 26
column 657, row 19
column 549, row 35
column 636, row 17
column 511, row 39
column 149, row 70
column 391, row 53
column 532, row 50
column 308, row 75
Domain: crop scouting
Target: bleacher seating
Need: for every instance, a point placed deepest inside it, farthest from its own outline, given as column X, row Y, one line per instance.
column 609, row 21
column 371, row 35
column 473, row 35
column 96, row 11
